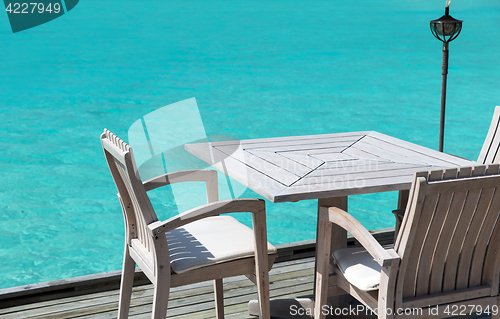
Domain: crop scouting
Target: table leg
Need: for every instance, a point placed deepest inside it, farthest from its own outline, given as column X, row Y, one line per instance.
column 281, row 308
column 338, row 240
column 339, row 235
column 402, row 202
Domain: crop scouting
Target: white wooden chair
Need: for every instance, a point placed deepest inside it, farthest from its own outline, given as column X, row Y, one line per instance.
column 194, row 246
column 489, row 155
column 490, row 151
column 446, row 256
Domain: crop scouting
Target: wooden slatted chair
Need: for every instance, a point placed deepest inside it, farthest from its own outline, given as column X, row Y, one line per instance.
column 489, row 155
column 446, row 256
column 489, row 152
column 194, row 246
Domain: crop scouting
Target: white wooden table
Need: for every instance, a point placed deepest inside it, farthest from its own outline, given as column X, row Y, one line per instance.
column 295, row 168
column 327, row 167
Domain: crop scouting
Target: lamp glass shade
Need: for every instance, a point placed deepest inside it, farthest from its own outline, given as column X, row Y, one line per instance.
column 446, row 28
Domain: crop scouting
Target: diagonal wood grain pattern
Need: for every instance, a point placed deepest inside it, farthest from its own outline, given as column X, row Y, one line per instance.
column 321, row 166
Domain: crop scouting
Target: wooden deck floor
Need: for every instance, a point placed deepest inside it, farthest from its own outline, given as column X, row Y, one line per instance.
column 84, row 297
column 96, row 296
column 287, row 280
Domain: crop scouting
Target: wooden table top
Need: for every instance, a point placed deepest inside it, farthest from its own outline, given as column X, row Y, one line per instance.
column 296, row 168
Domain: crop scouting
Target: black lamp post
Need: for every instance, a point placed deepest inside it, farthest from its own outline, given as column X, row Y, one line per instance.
column 445, row 29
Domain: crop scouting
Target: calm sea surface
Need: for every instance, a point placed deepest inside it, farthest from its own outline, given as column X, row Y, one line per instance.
column 257, row 69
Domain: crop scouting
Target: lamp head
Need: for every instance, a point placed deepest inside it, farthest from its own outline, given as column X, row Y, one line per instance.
column 446, row 28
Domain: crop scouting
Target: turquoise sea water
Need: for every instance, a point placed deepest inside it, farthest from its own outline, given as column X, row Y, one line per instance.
column 257, row 69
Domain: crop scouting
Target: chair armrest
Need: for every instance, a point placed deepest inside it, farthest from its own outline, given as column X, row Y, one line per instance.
column 255, row 206
column 192, row 175
column 341, row 218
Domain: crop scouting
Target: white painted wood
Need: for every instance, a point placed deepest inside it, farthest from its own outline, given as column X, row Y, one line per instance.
column 286, row 163
column 321, row 149
column 333, row 157
column 293, row 139
column 324, row 176
column 246, row 175
column 341, row 218
column 490, row 150
column 312, row 141
column 364, row 155
column 337, row 187
column 406, row 152
column 271, row 169
column 146, row 243
column 323, row 252
column 315, row 147
column 303, row 159
column 387, row 153
column 207, row 176
column 372, row 162
column 451, row 159
column 358, row 164
column 416, row 273
column 127, row 282
column 211, row 209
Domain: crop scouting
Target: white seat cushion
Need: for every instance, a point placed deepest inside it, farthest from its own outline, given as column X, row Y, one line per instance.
column 209, row 241
column 358, row 267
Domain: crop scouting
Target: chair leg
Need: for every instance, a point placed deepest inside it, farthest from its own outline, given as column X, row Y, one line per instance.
column 322, row 261
column 263, row 291
column 261, row 264
column 219, row 298
column 127, row 282
column 161, row 292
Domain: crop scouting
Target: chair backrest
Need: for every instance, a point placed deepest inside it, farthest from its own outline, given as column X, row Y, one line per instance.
column 490, row 152
column 450, row 236
column 137, row 209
